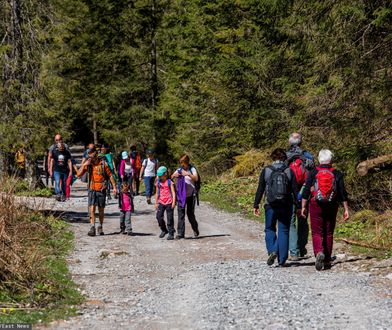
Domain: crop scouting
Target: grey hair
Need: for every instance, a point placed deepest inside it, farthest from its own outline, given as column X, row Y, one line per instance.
column 295, row 139
column 325, row 156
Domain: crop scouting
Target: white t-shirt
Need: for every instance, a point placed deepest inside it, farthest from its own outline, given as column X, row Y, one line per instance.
column 190, row 185
column 149, row 167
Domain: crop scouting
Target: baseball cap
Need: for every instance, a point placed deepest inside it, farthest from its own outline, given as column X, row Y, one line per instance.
column 161, row 170
column 124, row 155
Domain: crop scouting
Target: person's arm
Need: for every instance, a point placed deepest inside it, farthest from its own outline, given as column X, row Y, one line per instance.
column 144, row 164
column 173, row 191
column 306, row 191
column 192, row 174
column 156, row 196
column 114, row 166
column 343, row 196
column 111, row 178
column 121, row 171
column 259, row 193
column 70, row 167
column 83, row 168
column 50, row 168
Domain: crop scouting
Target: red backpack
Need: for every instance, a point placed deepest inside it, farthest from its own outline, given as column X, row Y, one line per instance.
column 299, row 170
column 324, row 185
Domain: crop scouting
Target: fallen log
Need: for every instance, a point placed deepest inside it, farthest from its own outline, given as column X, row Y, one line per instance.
column 379, row 162
column 361, row 244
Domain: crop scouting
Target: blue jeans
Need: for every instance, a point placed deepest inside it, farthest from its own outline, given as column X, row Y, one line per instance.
column 60, row 177
column 277, row 243
column 149, row 184
column 298, row 237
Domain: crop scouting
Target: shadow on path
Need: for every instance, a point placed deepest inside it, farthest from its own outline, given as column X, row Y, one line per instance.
column 208, row 236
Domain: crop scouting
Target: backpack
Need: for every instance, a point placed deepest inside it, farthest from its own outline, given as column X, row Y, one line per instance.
column 90, row 170
column 324, row 185
column 197, row 184
column 299, row 169
column 278, row 192
column 138, row 161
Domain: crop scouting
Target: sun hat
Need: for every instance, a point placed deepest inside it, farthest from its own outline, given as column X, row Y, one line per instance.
column 124, row 155
column 161, row 170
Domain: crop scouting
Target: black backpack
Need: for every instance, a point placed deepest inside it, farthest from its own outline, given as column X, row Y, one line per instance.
column 278, row 192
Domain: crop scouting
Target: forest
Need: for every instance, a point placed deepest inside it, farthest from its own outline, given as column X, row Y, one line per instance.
column 216, row 79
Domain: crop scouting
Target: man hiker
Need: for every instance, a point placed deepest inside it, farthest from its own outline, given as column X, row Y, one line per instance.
column 57, row 139
column 301, row 162
column 98, row 175
column 148, row 172
column 278, row 183
column 60, row 168
column 20, row 160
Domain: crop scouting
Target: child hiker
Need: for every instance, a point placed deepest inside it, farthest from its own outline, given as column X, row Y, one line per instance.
column 125, row 205
column 165, row 200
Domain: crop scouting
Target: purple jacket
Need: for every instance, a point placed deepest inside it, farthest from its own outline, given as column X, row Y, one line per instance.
column 181, row 191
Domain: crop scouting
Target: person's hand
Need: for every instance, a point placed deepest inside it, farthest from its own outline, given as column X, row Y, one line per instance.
column 114, row 190
column 303, row 212
column 346, row 215
column 185, row 173
column 176, row 174
column 256, row 212
column 173, row 205
column 299, row 213
column 156, row 206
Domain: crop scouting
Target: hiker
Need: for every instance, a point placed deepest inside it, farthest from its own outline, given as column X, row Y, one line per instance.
column 165, row 200
column 57, row 139
column 71, row 179
column 278, row 183
column 99, row 173
column 148, row 172
column 126, row 168
column 60, row 168
column 137, row 166
column 187, row 177
column 125, row 205
column 20, row 160
column 324, row 189
column 301, row 162
column 108, row 157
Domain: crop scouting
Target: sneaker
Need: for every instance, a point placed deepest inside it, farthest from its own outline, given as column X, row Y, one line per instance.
column 149, row 201
column 170, row 237
column 129, row 233
column 293, row 258
column 303, row 253
column 58, row 198
column 320, row 261
column 271, row 258
column 327, row 265
column 122, row 230
column 179, row 236
column 163, row 234
column 91, row 232
column 62, row 198
column 100, row 231
column 196, row 233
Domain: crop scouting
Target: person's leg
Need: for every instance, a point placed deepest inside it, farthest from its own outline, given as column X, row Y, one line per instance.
column 128, row 223
column 122, row 221
column 270, row 230
column 68, row 187
column 56, row 176
column 181, row 221
column 284, row 220
column 170, row 220
column 331, row 214
column 303, row 234
column 190, row 212
column 293, row 235
column 92, row 215
column 160, row 218
column 147, row 186
column 63, row 177
column 316, row 223
column 137, row 181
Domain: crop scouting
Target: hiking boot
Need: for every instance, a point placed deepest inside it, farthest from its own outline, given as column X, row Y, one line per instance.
column 179, row 236
column 303, row 253
column 148, row 200
column 58, row 198
column 327, row 265
column 196, row 233
column 100, row 231
column 163, row 234
column 91, row 232
column 320, row 261
column 129, row 233
column 122, row 230
column 271, row 258
column 62, row 198
column 170, row 237
column 293, row 258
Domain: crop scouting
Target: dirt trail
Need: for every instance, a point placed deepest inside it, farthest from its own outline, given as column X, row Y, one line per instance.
column 217, row 281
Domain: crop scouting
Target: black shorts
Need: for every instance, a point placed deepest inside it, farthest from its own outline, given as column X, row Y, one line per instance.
column 97, row 198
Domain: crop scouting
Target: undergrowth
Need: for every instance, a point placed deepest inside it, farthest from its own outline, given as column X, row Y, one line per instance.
column 21, row 188
column 34, row 281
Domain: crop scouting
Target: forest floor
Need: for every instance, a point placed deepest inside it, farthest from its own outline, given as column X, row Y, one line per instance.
column 218, row 281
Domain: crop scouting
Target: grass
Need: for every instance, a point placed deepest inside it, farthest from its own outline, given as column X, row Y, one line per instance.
column 365, row 229
column 35, row 285
column 21, row 188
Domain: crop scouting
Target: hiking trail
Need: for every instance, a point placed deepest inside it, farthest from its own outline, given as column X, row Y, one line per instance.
column 218, row 281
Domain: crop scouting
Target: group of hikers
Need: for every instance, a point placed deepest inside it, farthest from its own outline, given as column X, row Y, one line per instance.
column 293, row 186
column 100, row 170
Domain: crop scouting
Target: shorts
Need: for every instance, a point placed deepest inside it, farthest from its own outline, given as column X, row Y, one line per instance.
column 97, row 198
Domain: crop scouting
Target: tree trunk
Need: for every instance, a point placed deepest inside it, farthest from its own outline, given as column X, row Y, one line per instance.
column 379, row 162
column 154, row 75
column 95, row 133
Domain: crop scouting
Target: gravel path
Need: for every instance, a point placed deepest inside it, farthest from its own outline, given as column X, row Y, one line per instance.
column 219, row 281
